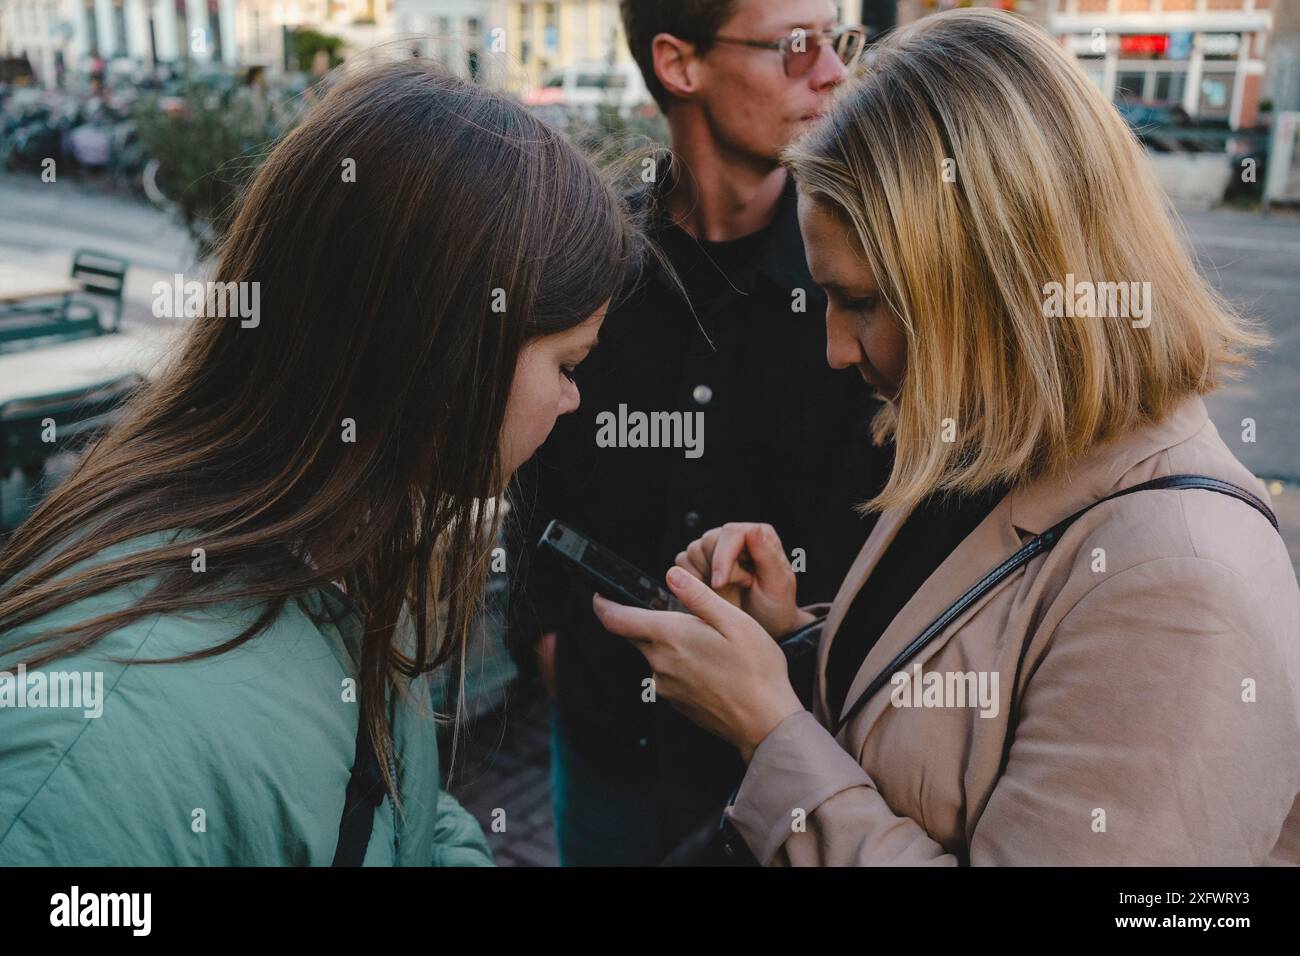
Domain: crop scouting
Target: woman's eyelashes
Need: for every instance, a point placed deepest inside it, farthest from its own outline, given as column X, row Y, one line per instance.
column 862, row 304
column 568, row 369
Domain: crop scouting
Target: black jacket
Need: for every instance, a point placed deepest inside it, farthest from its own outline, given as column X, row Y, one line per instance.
column 785, row 441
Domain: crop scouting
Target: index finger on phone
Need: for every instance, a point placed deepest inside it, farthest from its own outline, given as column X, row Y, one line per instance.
column 635, row 622
column 726, row 553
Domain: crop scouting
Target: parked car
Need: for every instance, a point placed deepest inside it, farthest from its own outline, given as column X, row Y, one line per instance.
column 1139, row 114
column 584, row 88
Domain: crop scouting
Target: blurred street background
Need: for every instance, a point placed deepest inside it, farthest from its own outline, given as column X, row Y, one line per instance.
column 1252, row 257
column 127, row 127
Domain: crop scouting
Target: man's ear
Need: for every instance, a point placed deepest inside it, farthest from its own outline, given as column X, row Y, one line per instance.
column 675, row 65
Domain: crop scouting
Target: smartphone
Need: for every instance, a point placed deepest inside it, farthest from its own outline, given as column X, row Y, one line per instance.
column 610, row 575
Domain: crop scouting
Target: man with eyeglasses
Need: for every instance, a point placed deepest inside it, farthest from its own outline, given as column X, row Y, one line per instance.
column 784, row 437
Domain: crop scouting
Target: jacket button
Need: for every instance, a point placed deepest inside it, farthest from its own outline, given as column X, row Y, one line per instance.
column 702, row 394
column 692, row 520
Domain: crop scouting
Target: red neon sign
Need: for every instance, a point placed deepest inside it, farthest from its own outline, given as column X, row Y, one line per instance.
column 1144, row 43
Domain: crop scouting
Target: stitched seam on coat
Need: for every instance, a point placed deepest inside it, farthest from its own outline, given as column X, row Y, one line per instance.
column 64, row 756
column 1115, row 577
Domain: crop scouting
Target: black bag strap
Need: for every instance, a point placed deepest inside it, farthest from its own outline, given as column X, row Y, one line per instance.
column 364, row 793
column 1031, row 549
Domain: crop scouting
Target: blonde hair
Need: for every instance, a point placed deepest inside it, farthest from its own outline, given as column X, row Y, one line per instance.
column 1044, row 181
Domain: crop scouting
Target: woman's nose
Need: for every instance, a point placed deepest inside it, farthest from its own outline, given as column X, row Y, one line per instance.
column 571, row 400
column 842, row 346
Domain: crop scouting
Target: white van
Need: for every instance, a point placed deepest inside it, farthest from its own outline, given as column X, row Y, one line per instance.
column 584, row 87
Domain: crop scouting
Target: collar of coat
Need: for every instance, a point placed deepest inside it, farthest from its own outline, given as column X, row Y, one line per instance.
column 1040, row 504
column 782, row 261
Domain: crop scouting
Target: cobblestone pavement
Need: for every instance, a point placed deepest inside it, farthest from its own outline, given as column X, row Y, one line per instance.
column 505, row 764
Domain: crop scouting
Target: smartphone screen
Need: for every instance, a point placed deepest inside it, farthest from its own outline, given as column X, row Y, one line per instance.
column 609, row 574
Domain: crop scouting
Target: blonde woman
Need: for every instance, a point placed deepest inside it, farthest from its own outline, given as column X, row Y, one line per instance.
column 1123, row 692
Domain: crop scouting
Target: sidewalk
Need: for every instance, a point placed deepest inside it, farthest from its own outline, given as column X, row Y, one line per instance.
column 1286, row 505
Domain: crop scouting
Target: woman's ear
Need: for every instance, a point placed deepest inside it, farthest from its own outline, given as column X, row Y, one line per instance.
column 675, row 65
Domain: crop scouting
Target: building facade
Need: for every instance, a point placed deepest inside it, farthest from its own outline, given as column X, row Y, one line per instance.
column 1036, row 10
column 72, row 36
column 540, row 36
column 508, row 43
column 458, row 33
column 1206, row 57
column 61, row 36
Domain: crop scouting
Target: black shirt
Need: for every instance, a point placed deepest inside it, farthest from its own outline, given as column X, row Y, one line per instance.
column 710, row 271
column 931, row 532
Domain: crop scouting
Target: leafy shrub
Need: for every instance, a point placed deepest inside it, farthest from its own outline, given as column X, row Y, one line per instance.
column 207, row 141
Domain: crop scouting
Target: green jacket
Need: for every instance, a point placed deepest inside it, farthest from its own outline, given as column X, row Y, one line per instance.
column 238, row 759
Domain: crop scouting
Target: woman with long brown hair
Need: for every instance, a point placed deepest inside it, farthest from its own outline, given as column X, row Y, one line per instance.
column 262, row 550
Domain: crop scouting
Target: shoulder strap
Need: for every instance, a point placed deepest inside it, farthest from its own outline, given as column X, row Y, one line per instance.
column 1031, row 549
column 364, row 793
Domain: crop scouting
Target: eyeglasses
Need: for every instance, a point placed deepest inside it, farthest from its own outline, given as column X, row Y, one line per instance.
column 800, row 50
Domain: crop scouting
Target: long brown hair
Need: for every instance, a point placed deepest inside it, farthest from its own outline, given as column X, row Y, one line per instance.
column 409, row 238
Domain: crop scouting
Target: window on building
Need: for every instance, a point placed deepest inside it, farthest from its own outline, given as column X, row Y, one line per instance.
column 214, row 29
column 1128, row 85
column 525, row 33
column 92, row 28
column 472, row 59
column 550, row 28
column 119, row 28
column 1216, row 95
column 183, row 48
column 442, row 39
column 1170, row 87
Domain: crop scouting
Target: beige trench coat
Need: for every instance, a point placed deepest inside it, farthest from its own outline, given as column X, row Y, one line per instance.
column 1147, row 683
